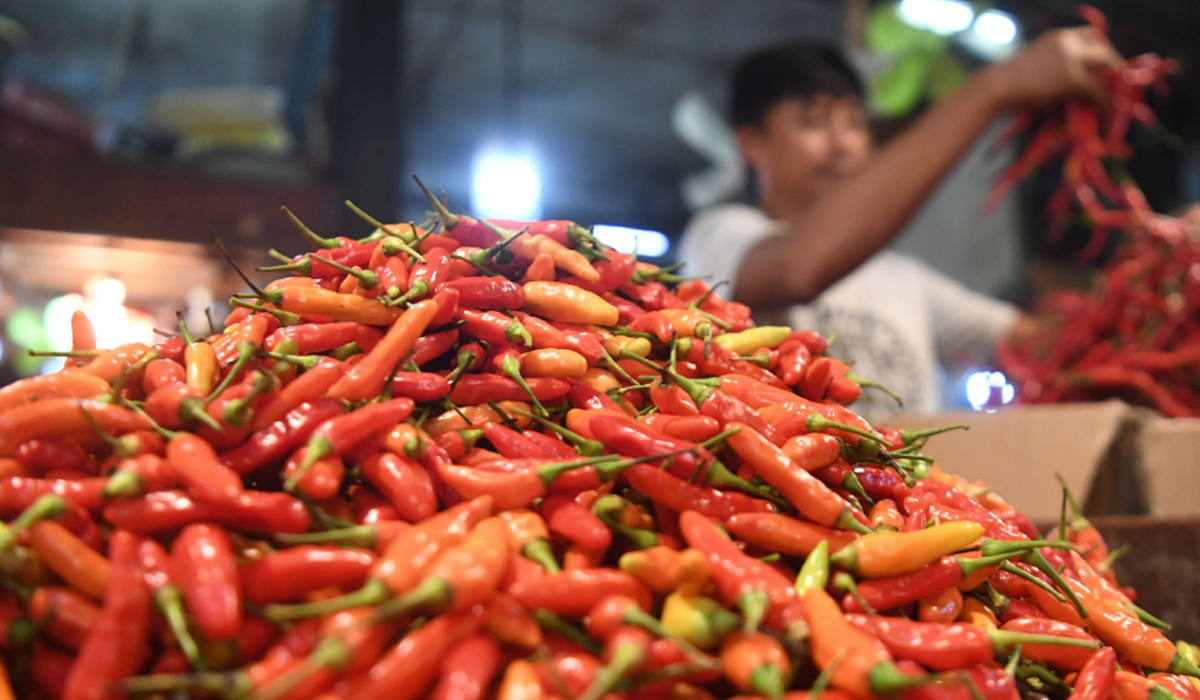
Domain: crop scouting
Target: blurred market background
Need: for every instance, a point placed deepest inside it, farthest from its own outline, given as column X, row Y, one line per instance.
column 134, row 133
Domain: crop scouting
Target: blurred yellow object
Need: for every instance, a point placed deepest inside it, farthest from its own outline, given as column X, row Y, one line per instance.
column 236, row 118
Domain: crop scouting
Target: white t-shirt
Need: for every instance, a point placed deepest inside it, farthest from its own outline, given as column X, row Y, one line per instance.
column 893, row 316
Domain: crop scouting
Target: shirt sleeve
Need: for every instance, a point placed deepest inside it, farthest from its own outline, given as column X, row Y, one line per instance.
column 716, row 240
column 965, row 322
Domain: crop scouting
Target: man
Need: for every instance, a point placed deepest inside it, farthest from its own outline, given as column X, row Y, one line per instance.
column 809, row 254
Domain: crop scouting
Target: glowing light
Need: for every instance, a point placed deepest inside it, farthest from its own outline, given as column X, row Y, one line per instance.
column 996, row 27
column 942, row 17
column 103, row 301
column 989, row 389
column 506, row 184
column 649, row 244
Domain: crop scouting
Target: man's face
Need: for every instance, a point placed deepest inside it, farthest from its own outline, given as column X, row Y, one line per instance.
column 805, row 145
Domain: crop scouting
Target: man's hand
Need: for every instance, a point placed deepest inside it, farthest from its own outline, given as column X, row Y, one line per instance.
column 1059, row 64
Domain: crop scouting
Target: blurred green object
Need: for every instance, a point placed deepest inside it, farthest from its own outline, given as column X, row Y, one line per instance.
column 920, row 65
column 25, row 330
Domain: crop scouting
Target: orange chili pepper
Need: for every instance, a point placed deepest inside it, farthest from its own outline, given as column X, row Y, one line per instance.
column 600, row 379
column 83, row 336
column 528, row 534
column 944, row 608
column 776, row 532
column 811, row 497
column 65, row 418
column 62, row 385
column 863, row 664
column 885, row 516
column 69, row 614
column 540, row 270
column 756, row 663
column 557, row 363
column 476, row 416
column 203, row 369
column 70, row 557
column 654, row 567
column 893, row 553
column 511, row 622
column 558, row 301
column 978, row 614
column 521, row 682
column 366, row 379
column 684, row 320
column 314, row 301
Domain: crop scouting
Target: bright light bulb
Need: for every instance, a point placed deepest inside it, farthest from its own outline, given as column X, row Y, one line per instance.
column 984, row 387
column 649, row 244
column 996, row 27
column 506, row 184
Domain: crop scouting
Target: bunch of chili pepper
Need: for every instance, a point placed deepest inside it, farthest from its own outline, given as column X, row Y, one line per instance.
column 1134, row 334
column 497, row 460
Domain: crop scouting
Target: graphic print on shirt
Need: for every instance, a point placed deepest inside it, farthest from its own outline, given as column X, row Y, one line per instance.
column 878, row 351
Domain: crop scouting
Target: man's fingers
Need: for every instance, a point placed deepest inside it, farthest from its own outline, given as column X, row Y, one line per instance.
column 1098, row 53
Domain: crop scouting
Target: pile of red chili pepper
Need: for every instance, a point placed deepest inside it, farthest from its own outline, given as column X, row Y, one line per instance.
column 497, row 460
column 1136, row 334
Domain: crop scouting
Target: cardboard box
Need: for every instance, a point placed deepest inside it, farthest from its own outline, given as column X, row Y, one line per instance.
column 1018, row 450
column 1169, row 465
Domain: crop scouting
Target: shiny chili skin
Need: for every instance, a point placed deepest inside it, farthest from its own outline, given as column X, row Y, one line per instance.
column 204, row 568
column 312, row 338
column 475, row 389
column 408, row 668
column 195, row 465
column 420, row 386
column 406, row 484
column 776, row 532
column 627, row 437
column 289, row 574
column 487, row 292
column 118, row 643
column 255, row 511
column 276, row 441
column 467, row 669
column 582, row 396
column 735, row 572
column 433, row 345
column 1097, row 677
column 569, row 519
column 43, row 454
column 573, row 593
column 679, row 495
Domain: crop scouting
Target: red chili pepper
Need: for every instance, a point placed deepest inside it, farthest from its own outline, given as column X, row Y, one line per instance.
column 68, row 616
column 311, row 338
column 366, row 379
column 405, row 483
column 574, row 593
column 739, row 577
column 1071, row 658
column 340, row 433
column 473, row 389
column 927, row 582
column 160, row 373
column 255, row 511
column 117, row 645
column 310, row 386
column 582, row 396
column 19, row 492
column 40, row 455
column 203, row 565
column 433, row 345
column 467, row 669
column 487, row 292
column 195, row 465
column 567, row 518
column 679, row 495
column 280, row 438
column 407, row 670
column 492, row 327
column 289, row 574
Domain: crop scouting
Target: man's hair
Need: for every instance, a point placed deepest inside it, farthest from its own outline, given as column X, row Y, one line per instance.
column 795, row 69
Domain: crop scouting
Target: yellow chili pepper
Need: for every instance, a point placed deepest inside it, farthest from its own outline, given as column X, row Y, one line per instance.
column 697, row 619
column 751, row 339
column 558, row 363
column 558, row 301
column 617, row 343
column 893, row 553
